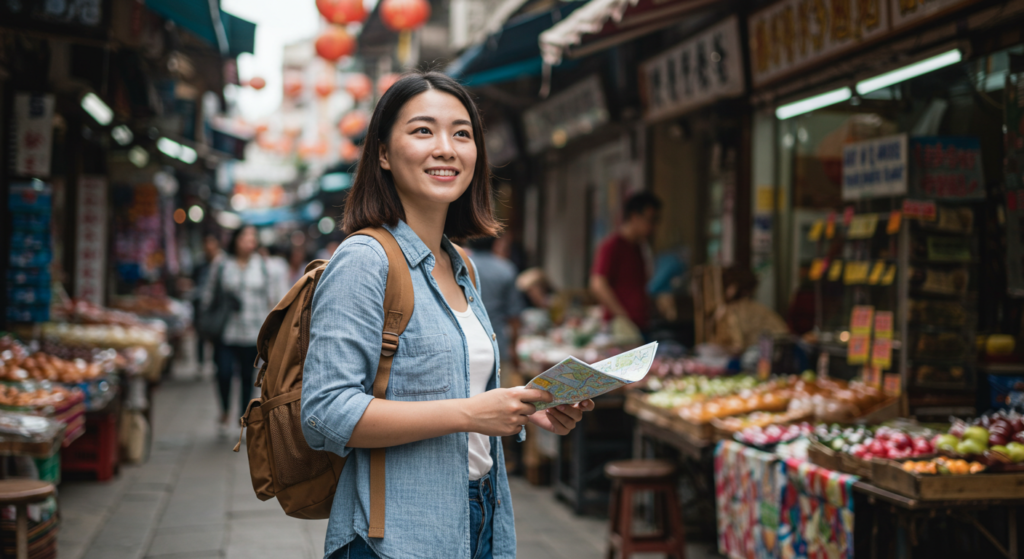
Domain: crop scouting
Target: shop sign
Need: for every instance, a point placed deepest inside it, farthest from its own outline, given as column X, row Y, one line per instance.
column 909, row 12
column 91, row 239
column 694, row 73
column 875, row 168
column 947, row 168
column 794, row 34
column 575, row 112
column 33, row 134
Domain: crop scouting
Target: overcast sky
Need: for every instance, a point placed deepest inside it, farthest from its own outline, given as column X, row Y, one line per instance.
column 278, row 22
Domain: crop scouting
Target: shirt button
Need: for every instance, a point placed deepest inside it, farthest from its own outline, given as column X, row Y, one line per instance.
column 312, row 423
column 471, row 299
column 494, row 336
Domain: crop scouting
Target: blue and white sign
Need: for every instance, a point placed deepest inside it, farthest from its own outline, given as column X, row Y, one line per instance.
column 875, row 168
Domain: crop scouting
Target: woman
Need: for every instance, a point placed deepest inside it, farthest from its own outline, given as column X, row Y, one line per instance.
column 246, row 276
column 423, row 176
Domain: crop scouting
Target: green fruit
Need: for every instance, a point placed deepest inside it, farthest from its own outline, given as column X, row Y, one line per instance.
column 970, row 446
column 977, row 433
column 808, row 376
column 838, row 444
column 946, row 440
column 1000, row 453
column 1016, row 452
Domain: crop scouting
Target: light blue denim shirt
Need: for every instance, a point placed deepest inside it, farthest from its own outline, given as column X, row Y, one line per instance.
column 426, row 500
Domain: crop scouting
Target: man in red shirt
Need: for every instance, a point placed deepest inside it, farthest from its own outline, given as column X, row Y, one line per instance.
column 619, row 276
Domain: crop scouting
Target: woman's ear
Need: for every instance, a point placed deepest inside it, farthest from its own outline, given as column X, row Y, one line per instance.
column 383, row 155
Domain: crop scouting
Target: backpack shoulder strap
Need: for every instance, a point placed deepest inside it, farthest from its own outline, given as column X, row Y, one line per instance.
column 398, row 308
column 469, row 265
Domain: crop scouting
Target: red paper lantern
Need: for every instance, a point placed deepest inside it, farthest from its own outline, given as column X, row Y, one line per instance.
column 257, row 83
column 335, row 43
column 324, row 87
column 349, row 152
column 353, row 124
column 359, row 86
column 342, row 11
column 292, row 85
column 404, row 15
column 385, row 82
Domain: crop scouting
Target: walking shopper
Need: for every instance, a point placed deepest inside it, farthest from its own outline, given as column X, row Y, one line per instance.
column 213, row 253
column 424, row 177
column 502, row 300
column 618, row 278
column 255, row 287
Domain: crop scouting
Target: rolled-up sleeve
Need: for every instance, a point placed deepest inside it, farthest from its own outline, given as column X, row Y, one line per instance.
column 344, row 344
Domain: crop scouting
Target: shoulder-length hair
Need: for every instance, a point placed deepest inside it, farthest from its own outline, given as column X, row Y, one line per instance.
column 373, row 200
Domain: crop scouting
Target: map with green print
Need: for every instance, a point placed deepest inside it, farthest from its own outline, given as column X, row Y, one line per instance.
column 573, row 381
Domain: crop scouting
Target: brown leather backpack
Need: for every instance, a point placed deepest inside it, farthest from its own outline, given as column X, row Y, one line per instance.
column 281, row 463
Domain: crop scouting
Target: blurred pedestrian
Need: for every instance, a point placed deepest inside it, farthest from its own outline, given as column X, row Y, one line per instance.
column 618, row 278
column 297, row 261
column 501, row 298
column 257, row 286
column 212, row 252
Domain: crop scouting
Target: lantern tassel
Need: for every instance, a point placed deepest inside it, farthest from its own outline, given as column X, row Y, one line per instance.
column 404, row 46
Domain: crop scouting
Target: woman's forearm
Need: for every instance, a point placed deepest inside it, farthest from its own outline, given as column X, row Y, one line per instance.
column 388, row 423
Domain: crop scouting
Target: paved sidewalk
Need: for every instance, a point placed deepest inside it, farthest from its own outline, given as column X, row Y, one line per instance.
column 193, row 499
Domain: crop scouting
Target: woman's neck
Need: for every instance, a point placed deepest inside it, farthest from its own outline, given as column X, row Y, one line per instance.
column 243, row 259
column 428, row 224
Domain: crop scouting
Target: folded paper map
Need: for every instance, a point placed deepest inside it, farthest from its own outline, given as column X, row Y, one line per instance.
column 573, row 381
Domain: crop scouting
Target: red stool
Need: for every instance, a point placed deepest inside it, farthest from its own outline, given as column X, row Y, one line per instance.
column 630, row 477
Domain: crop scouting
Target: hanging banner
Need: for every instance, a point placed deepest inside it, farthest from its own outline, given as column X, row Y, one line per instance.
column 875, row 168
column 946, row 168
column 697, row 72
column 33, row 134
column 575, row 112
column 794, row 34
column 91, row 239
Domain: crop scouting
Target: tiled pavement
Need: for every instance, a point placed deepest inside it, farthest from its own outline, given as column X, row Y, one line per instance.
column 193, row 499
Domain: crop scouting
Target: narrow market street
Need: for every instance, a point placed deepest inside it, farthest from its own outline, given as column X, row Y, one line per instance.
column 193, row 499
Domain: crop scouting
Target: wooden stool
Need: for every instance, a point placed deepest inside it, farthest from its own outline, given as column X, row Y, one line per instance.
column 21, row 493
column 630, row 477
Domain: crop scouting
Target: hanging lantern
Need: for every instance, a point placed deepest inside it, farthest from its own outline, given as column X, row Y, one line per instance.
column 292, row 85
column 308, row 150
column 261, row 128
column 324, row 87
column 335, row 43
column 349, row 152
column 385, row 82
column 257, row 83
column 358, row 86
column 342, row 11
column 404, row 15
column 353, row 124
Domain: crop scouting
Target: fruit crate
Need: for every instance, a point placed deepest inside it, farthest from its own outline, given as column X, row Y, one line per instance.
column 823, row 456
column 890, row 475
column 636, row 404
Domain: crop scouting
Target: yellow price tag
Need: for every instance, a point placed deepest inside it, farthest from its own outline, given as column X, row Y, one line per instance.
column 890, row 275
column 814, row 235
column 818, row 266
column 876, row 273
column 862, row 226
column 856, row 272
column 895, row 221
column 835, row 272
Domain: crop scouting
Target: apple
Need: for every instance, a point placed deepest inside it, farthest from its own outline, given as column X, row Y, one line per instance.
column 1000, row 453
column 996, row 439
column 922, row 446
column 1000, row 428
column 970, row 446
column 979, row 434
column 1019, row 437
column 1016, row 451
column 1017, row 424
column 946, row 442
column 901, row 440
column 876, row 447
column 957, row 430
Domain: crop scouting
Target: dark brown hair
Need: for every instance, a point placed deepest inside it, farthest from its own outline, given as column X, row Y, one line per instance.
column 373, row 200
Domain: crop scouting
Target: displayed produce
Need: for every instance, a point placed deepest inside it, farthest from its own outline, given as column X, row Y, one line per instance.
column 756, row 420
column 998, row 437
column 943, row 466
column 31, row 435
column 679, row 391
column 866, row 443
column 39, row 396
column 17, row 365
column 770, row 435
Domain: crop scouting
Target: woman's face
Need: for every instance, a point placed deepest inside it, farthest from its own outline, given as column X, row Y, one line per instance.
column 431, row 152
column 246, row 243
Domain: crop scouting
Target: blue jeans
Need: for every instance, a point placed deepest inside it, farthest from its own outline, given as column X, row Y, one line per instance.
column 481, row 514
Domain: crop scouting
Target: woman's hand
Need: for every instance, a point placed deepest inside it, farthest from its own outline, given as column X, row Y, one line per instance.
column 503, row 411
column 561, row 419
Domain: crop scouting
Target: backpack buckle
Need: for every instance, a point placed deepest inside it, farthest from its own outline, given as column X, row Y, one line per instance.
column 389, row 344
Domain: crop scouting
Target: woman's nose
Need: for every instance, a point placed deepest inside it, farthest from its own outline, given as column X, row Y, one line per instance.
column 443, row 148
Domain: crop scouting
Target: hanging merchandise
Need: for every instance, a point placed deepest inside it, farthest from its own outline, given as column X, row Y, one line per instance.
column 32, row 134
column 353, row 125
column 91, row 245
column 335, row 43
column 358, row 86
column 324, row 87
column 28, row 278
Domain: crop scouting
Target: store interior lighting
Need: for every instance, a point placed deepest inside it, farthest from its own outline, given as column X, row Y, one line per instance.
column 813, row 103
column 181, row 152
column 97, row 109
column 229, row 220
column 195, row 213
column 907, row 72
column 122, row 135
column 138, row 156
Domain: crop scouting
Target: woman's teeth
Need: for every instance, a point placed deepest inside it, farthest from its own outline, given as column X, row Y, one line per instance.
column 438, row 173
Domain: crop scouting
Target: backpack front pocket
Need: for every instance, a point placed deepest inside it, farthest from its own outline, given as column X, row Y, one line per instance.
column 291, row 458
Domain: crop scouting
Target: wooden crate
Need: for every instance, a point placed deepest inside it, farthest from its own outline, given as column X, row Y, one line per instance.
column 888, row 474
column 700, row 434
column 853, row 465
column 823, row 456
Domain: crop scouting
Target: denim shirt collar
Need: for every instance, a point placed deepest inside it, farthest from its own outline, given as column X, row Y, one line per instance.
column 416, row 250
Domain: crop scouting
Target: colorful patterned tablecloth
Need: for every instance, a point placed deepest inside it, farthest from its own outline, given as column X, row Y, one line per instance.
column 773, row 509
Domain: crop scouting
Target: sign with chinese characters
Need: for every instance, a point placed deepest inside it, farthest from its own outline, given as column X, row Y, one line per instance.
column 909, row 12
column 793, row 34
column 91, row 239
column 946, row 168
column 702, row 69
column 33, row 134
column 875, row 168
column 575, row 112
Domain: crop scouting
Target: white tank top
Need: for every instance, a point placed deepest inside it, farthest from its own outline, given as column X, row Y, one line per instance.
column 481, row 365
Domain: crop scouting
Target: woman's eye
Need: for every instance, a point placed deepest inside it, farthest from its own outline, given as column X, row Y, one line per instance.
column 422, row 130
column 463, row 133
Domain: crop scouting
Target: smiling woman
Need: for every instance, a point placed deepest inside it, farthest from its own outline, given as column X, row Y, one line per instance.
column 423, row 177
